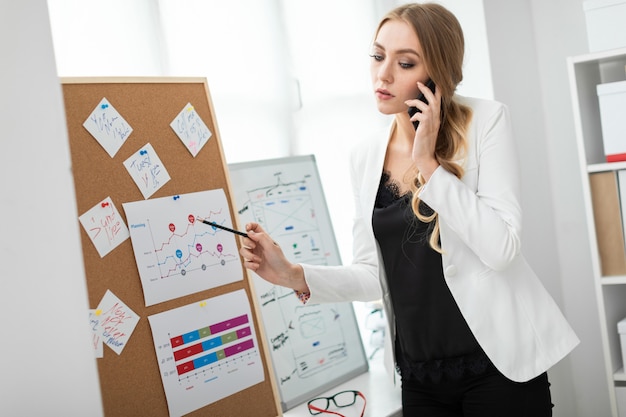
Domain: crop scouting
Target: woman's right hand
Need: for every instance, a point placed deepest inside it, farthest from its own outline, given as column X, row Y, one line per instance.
column 262, row 255
column 425, row 140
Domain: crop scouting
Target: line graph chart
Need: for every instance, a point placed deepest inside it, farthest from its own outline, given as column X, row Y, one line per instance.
column 177, row 255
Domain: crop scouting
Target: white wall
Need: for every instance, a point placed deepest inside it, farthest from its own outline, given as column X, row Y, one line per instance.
column 46, row 364
column 556, row 43
column 529, row 43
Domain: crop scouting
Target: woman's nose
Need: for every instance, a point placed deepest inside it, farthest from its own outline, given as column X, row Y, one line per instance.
column 385, row 72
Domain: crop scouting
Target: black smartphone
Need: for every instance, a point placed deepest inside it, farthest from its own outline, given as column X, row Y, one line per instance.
column 412, row 110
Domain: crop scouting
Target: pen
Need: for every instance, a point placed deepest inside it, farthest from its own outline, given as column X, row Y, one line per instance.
column 219, row 226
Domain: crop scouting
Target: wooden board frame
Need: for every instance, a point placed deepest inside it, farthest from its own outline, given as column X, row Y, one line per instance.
column 131, row 383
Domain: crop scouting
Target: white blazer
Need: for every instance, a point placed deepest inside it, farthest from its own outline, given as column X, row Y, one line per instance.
column 512, row 316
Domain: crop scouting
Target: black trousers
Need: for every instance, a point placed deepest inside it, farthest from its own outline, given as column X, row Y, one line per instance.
column 489, row 394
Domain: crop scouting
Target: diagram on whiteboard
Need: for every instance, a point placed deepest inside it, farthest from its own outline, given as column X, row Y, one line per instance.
column 312, row 345
column 285, row 207
column 311, row 338
column 177, row 255
column 206, row 351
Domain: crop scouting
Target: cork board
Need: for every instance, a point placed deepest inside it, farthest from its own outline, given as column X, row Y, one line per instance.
column 130, row 382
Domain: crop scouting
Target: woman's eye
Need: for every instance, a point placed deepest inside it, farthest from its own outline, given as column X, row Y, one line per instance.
column 406, row 65
column 377, row 57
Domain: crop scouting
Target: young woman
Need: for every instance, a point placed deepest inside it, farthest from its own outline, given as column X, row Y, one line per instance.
column 437, row 235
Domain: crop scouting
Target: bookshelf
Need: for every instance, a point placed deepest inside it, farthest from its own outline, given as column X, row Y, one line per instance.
column 585, row 73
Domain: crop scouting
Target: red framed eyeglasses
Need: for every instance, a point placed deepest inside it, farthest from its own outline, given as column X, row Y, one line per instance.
column 342, row 399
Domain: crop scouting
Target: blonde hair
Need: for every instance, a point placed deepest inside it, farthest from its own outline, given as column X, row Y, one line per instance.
column 443, row 47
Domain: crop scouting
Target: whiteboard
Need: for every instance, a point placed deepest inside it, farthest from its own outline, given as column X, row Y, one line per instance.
column 314, row 347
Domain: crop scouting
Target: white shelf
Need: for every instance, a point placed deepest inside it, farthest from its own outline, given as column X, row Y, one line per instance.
column 615, row 280
column 585, row 73
column 620, row 375
column 600, row 57
column 607, row 166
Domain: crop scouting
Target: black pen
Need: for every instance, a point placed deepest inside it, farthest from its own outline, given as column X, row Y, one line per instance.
column 219, row 226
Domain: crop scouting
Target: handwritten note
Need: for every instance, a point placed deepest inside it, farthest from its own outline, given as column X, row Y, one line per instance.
column 147, row 170
column 191, row 130
column 114, row 322
column 96, row 336
column 108, row 127
column 105, row 226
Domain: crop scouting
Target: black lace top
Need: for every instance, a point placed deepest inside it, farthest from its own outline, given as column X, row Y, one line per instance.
column 433, row 340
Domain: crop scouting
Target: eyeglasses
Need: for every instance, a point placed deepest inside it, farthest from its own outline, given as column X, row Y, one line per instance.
column 341, row 399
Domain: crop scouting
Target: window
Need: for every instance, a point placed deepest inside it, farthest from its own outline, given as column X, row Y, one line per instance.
column 286, row 76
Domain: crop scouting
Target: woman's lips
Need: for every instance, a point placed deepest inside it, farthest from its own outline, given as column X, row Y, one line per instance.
column 383, row 94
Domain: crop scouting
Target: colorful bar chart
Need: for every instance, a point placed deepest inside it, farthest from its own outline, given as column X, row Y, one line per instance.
column 207, row 331
column 191, row 344
column 206, row 351
column 214, row 357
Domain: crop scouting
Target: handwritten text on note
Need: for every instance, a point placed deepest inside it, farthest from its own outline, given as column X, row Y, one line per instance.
column 96, row 336
column 105, row 226
column 147, row 170
column 114, row 321
column 191, row 130
column 108, row 127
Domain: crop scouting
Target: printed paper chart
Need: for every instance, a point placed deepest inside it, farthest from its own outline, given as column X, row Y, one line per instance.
column 177, row 255
column 206, row 351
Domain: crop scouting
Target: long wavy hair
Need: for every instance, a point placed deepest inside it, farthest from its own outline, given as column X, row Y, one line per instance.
column 443, row 47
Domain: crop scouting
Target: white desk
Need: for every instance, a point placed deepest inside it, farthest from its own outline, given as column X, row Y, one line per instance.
column 383, row 398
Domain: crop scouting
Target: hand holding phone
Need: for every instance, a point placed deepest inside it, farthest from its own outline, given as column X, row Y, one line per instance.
column 412, row 110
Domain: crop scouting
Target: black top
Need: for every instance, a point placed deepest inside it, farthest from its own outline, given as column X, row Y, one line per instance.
column 433, row 339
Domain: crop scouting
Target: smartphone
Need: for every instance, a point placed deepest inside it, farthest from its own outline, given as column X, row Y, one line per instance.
column 412, row 110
